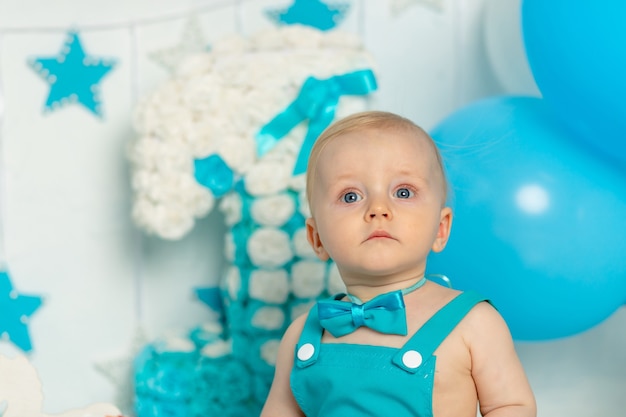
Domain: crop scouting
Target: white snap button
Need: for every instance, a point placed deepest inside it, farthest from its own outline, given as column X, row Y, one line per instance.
column 306, row 351
column 412, row 359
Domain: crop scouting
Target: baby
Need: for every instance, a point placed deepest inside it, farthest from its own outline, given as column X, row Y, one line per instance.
column 396, row 344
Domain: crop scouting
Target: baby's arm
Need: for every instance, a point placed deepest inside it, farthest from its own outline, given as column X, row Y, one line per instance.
column 280, row 401
column 501, row 383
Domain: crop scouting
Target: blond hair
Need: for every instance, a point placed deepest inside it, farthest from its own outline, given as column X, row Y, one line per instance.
column 364, row 121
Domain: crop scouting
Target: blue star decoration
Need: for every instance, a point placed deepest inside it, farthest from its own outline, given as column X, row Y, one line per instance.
column 74, row 76
column 15, row 309
column 313, row 13
column 212, row 297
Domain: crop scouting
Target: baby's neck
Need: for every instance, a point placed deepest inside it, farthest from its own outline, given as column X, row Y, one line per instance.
column 365, row 293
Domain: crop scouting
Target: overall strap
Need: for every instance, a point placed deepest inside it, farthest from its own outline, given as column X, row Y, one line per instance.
column 428, row 338
column 308, row 347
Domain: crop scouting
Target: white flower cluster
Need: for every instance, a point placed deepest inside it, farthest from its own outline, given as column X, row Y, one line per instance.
column 215, row 104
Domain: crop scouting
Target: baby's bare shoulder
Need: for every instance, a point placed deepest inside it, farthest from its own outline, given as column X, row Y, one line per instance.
column 483, row 323
column 292, row 334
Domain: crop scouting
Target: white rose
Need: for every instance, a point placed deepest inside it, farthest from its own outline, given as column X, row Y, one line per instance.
column 264, row 103
column 233, row 282
column 342, row 40
column 303, row 37
column 199, row 199
column 231, row 205
column 146, row 117
column 194, row 64
column 184, row 189
column 233, row 44
column 269, row 247
column 302, row 247
column 217, row 349
column 152, row 153
column 180, row 190
column 204, row 139
column 172, row 123
column 173, row 221
column 298, row 182
column 213, row 327
column 238, row 152
column 268, row 39
column 267, row 177
column 143, row 180
column 298, row 309
column 168, row 221
column 307, row 278
column 268, row 318
column 303, row 205
column 271, row 286
column 177, row 344
column 273, row 210
column 269, row 351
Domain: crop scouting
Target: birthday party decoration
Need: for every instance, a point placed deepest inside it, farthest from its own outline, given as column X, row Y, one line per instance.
column 232, row 126
column 21, row 392
column 539, row 221
column 15, row 309
column 576, row 54
column 73, row 76
column 316, row 102
column 314, row 13
column 213, row 173
column 212, row 297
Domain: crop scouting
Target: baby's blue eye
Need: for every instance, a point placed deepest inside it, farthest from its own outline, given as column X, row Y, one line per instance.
column 351, row 197
column 404, row 193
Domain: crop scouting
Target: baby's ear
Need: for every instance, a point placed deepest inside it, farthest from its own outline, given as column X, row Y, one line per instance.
column 443, row 233
column 314, row 239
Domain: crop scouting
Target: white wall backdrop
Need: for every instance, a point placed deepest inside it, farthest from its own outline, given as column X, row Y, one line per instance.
column 66, row 232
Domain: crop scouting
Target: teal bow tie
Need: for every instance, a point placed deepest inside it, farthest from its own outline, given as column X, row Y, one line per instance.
column 384, row 313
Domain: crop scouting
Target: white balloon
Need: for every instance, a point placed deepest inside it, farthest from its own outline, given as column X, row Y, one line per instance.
column 504, row 44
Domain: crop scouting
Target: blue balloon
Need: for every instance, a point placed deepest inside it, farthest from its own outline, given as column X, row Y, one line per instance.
column 539, row 224
column 577, row 54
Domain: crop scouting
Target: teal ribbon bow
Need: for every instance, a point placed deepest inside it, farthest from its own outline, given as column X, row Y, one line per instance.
column 213, row 173
column 316, row 102
column 385, row 314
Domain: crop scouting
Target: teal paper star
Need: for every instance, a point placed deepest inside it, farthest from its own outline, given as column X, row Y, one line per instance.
column 73, row 75
column 313, row 13
column 14, row 312
column 212, row 297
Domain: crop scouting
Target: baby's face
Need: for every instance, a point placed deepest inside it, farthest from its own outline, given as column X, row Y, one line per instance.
column 377, row 203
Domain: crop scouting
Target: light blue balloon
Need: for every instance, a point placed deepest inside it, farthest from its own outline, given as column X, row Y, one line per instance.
column 540, row 223
column 577, row 54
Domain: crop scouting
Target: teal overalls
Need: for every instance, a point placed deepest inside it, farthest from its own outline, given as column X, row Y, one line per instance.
column 346, row 380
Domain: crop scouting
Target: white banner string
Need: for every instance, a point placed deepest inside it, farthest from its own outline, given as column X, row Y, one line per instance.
column 216, row 5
